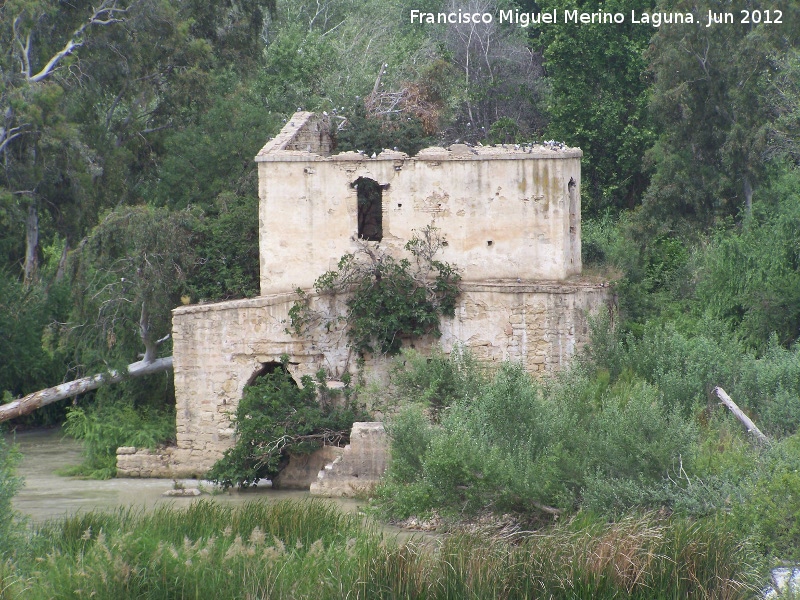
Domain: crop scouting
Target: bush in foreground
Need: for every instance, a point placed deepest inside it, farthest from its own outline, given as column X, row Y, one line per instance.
column 517, row 444
column 9, row 484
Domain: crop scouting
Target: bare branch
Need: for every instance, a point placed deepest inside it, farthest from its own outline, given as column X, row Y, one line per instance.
column 106, row 14
column 17, row 131
column 739, row 414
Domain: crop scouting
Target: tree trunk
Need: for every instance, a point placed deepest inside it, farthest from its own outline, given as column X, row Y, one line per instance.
column 62, row 262
column 31, row 402
column 150, row 346
column 748, row 195
column 31, row 243
column 739, row 414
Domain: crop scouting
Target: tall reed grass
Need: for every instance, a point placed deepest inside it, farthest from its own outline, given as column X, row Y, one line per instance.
column 312, row 550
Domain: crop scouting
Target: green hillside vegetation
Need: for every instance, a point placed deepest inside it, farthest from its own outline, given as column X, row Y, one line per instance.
column 127, row 187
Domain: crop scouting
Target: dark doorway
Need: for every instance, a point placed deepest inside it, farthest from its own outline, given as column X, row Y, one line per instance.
column 267, row 369
column 370, row 209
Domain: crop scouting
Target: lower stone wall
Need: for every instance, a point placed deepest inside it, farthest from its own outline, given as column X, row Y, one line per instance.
column 219, row 348
column 359, row 468
column 133, row 462
column 302, row 470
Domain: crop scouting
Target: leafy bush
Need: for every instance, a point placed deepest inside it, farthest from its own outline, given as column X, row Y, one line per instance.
column 386, row 298
column 685, row 367
column 771, row 506
column 116, row 419
column 276, row 418
column 524, row 445
column 436, row 381
column 751, row 275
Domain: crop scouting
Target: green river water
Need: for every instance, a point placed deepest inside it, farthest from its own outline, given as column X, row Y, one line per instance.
column 46, row 495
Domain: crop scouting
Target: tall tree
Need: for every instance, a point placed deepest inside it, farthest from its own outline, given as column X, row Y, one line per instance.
column 39, row 148
column 598, row 97
column 719, row 96
column 128, row 277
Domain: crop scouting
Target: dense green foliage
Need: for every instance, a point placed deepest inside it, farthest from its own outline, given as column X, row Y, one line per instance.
column 599, row 99
column 10, row 482
column 276, row 419
column 720, row 96
column 601, row 440
column 514, row 444
column 387, row 299
column 122, row 415
column 29, row 319
column 310, row 550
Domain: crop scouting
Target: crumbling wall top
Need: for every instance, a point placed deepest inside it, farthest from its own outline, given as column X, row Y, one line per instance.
column 305, row 132
column 306, row 137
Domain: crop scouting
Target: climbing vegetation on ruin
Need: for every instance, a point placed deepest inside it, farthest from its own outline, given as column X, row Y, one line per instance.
column 387, row 299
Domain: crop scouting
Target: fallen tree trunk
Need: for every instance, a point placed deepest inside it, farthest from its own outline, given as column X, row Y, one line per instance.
column 739, row 414
column 31, row 402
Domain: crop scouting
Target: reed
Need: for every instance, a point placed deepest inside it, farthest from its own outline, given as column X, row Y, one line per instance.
column 312, row 550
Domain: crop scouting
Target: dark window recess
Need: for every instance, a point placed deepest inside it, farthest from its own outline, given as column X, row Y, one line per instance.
column 572, row 188
column 370, row 208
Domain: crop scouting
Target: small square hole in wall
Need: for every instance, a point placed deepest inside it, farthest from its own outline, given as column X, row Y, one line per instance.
column 399, row 205
column 489, row 243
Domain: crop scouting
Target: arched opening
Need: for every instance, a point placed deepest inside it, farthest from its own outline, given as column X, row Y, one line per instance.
column 370, row 208
column 268, row 368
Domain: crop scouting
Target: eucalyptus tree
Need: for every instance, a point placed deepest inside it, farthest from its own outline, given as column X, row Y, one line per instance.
column 89, row 94
column 128, row 276
column 39, row 148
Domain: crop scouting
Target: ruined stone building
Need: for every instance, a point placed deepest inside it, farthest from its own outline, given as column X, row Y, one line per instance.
column 511, row 218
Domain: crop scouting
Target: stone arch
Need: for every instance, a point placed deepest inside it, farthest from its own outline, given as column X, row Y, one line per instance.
column 268, row 368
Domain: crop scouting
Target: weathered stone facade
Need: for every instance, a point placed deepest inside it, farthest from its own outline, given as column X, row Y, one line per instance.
column 511, row 217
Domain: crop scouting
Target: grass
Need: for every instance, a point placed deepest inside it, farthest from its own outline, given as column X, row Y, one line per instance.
column 312, row 550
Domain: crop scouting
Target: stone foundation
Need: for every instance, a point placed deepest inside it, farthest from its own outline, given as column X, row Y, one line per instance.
column 302, row 470
column 132, row 462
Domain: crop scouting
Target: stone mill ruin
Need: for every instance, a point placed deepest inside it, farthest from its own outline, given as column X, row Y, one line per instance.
column 511, row 218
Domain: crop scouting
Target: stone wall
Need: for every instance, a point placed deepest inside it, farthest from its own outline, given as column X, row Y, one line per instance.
column 505, row 213
column 304, row 132
column 219, row 348
column 359, row 468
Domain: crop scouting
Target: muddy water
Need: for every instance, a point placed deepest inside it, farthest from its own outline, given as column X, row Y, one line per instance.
column 47, row 495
